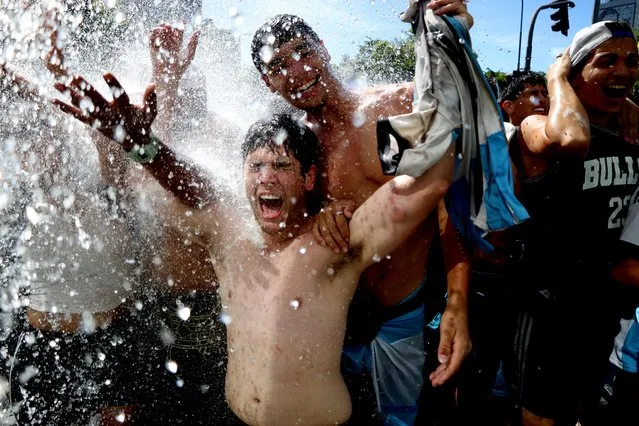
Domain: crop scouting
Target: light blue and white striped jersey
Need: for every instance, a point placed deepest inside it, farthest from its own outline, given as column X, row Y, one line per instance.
column 625, row 355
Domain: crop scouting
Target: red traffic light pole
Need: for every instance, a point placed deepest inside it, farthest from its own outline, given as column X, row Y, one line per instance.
column 553, row 5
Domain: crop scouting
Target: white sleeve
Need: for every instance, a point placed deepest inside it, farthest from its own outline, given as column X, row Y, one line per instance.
column 630, row 233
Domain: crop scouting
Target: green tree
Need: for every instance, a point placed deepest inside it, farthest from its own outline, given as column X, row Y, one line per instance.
column 382, row 61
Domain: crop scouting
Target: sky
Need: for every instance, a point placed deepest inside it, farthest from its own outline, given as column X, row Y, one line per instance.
column 345, row 24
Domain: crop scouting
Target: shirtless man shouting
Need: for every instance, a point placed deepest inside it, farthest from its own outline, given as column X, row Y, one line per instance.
column 286, row 298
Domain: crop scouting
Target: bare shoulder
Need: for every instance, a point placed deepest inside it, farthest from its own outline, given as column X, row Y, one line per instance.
column 390, row 99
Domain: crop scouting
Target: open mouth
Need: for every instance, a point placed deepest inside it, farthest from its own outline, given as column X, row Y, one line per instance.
column 616, row 91
column 308, row 86
column 270, row 206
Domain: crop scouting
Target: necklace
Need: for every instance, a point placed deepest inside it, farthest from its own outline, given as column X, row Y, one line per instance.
column 605, row 130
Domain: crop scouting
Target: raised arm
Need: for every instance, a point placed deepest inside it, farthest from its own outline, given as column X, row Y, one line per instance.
column 395, row 210
column 566, row 128
column 169, row 63
column 130, row 125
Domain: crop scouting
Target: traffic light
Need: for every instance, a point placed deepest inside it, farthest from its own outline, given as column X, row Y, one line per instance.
column 561, row 16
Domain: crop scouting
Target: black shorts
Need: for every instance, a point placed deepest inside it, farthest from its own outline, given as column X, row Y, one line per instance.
column 182, row 363
column 64, row 379
column 562, row 347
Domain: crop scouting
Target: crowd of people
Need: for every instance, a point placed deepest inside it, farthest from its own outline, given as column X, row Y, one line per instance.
column 138, row 290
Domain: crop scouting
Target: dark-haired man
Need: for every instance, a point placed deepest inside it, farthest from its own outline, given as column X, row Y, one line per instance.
column 486, row 387
column 294, row 63
column 581, row 176
column 286, row 299
column 524, row 95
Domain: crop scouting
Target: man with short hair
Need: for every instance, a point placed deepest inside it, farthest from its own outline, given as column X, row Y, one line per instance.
column 582, row 174
column 388, row 313
column 525, row 94
column 286, row 299
column 486, row 386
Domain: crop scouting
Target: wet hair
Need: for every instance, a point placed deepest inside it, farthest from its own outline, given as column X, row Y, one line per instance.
column 517, row 85
column 283, row 130
column 297, row 139
column 282, row 28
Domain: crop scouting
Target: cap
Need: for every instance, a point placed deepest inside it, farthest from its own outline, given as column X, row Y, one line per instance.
column 587, row 39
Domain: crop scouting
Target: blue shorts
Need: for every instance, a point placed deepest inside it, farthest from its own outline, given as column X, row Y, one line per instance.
column 395, row 360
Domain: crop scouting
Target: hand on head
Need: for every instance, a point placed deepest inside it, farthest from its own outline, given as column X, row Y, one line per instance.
column 167, row 57
column 117, row 119
column 560, row 68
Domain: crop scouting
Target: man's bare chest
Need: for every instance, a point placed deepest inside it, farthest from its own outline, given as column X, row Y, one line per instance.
column 351, row 169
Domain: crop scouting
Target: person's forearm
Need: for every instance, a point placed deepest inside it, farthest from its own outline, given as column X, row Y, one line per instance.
column 567, row 125
column 181, row 178
column 456, row 259
column 167, row 100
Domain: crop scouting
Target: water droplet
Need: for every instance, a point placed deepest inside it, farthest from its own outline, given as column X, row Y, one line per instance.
column 184, row 313
column 225, row 319
column 32, row 215
column 295, row 304
column 266, row 54
column 282, row 225
column 179, row 383
column 68, row 201
column 172, row 366
column 101, row 356
column 270, row 39
column 303, row 250
column 376, row 258
column 296, row 56
column 119, row 133
column 280, row 137
column 462, row 41
column 120, row 417
column 358, row 119
column 29, row 372
column 138, row 305
column 330, row 271
column 119, row 18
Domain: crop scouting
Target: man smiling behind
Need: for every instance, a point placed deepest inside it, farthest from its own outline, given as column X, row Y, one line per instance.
column 294, row 63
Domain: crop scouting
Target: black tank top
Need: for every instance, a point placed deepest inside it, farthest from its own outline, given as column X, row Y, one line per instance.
column 577, row 210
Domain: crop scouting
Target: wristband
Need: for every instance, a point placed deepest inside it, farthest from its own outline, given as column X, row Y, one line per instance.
column 144, row 154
